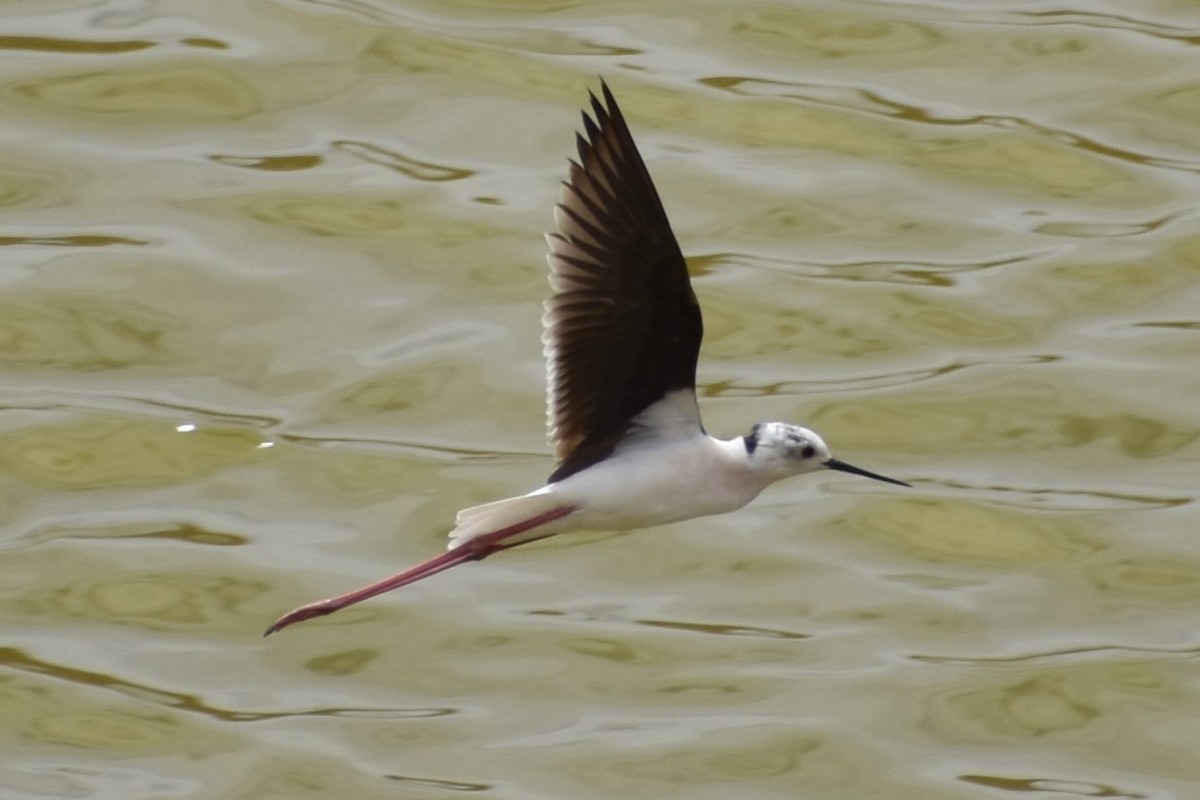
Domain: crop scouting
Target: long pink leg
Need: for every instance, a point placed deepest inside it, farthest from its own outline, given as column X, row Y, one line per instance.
column 473, row 550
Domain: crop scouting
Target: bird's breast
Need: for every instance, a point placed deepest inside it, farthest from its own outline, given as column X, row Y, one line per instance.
column 656, row 483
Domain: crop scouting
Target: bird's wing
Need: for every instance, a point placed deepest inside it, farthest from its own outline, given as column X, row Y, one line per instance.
column 622, row 327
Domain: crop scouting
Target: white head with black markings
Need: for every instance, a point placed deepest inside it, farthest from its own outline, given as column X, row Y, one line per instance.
column 780, row 450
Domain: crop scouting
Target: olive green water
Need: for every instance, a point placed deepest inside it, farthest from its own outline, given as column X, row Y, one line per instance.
column 270, row 316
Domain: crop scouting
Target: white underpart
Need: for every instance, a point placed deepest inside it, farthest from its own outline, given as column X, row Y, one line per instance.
column 667, row 470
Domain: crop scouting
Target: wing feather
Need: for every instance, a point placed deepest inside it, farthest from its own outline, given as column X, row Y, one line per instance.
column 622, row 328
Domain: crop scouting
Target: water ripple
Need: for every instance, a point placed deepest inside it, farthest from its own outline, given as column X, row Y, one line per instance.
column 20, row 661
column 721, row 630
column 875, row 101
column 1055, row 786
column 405, row 165
column 1069, row 654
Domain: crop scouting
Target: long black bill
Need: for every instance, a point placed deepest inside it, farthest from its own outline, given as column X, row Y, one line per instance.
column 842, row 466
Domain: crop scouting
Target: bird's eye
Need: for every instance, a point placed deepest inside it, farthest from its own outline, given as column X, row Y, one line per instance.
column 808, row 451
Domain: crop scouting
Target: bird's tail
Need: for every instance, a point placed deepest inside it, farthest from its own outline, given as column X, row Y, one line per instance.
column 476, row 521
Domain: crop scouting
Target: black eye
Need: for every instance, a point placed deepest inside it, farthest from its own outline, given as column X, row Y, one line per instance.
column 808, row 451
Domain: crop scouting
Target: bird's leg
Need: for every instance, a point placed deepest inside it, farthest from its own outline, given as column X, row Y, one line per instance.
column 474, row 549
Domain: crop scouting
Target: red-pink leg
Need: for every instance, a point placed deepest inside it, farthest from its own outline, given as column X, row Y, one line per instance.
column 472, row 550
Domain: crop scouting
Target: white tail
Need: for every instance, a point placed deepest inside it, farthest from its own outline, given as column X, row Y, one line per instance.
column 491, row 517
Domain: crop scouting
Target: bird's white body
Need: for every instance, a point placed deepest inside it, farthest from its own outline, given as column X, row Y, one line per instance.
column 668, row 469
column 638, row 487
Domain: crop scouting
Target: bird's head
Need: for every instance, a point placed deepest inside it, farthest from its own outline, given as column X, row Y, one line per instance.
column 780, row 449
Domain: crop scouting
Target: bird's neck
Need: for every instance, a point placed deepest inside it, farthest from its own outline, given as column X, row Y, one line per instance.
column 738, row 465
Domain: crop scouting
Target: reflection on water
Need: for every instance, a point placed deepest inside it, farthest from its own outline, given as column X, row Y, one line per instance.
column 103, row 452
column 270, row 316
column 179, row 94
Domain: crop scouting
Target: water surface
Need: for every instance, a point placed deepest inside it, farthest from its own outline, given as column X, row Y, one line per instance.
column 270, row 316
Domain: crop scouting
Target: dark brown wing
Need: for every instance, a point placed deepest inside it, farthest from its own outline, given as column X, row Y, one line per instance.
column 622, row 327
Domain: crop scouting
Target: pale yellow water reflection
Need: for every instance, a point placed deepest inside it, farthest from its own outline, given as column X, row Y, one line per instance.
column 270, row 316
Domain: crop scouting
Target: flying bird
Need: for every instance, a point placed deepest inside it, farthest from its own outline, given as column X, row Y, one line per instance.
column 621, row 331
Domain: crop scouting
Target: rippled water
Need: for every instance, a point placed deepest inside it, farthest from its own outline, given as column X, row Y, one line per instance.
column 271, row 285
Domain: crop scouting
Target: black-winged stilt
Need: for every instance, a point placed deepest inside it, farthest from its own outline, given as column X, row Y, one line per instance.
column 622, row 333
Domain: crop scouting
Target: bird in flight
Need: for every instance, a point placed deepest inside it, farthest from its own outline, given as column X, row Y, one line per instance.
column 622, row 332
